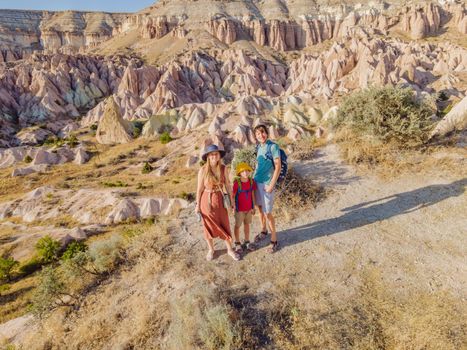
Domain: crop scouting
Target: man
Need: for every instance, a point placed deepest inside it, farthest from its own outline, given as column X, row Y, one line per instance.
column 266, row 175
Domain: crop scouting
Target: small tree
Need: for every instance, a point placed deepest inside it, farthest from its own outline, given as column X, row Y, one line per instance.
column 6, row 267
column 27, row 159
column 147, row 168
column 165, row 138
column 244, row 155
column 51, row 293
column 47, row 249
column 73, row 249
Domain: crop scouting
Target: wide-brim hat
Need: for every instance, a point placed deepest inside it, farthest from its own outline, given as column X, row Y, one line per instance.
column 242, row 167
column 210, row 149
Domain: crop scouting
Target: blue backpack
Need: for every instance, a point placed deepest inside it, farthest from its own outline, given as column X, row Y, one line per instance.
column 283, row 156
column 240, row 190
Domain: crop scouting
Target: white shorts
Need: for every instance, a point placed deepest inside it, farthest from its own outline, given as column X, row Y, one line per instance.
column 263, row 199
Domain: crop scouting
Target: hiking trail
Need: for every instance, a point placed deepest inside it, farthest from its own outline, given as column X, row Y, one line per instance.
column 411, row 227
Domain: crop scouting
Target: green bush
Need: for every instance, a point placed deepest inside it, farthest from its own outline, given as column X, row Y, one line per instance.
column 47, row 249
column 118, row 183
column 190, row 197
column 387, row 113
column 27, row 159
column 244, row 155
column 6, row 267
column 165, row 138
column 137, row 128
column 147, row 168
column 74, row 248
column 93, row 127
column 4, row 288
column 72, row 141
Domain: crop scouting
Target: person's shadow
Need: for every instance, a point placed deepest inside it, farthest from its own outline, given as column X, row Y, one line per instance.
column 369, row 212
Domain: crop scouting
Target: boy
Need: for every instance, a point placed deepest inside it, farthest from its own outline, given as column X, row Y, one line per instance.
column 266, row 175
column 244, row 188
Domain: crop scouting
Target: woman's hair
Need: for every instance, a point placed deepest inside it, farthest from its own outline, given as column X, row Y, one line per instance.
column 261, row 127
column 213, row 173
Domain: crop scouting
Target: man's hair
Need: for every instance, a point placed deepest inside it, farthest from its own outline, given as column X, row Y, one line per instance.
column 261, row 127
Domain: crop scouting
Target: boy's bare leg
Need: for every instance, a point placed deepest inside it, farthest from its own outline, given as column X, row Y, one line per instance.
column 237, row 234
column 272, row 226
column 247, row 231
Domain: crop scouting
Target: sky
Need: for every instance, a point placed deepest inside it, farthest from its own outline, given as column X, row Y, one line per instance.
column 80, row 5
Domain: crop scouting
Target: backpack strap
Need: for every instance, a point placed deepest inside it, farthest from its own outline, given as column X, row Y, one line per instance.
column 269, row 153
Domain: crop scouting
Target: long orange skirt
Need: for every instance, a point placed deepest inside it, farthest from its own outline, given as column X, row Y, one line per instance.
column 215, row 216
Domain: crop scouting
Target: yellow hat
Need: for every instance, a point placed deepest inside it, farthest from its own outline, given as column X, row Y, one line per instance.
column 242, row 167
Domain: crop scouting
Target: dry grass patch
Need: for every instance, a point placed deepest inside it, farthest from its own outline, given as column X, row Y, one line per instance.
column 389, row 159
column 296, row 194
column 374, row 318
column 15, row 297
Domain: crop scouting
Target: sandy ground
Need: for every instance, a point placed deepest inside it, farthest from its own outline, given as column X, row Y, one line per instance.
column 413, row 228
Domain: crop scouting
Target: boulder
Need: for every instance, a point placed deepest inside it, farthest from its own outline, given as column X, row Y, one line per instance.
column 125, row 210
column 45, row 157
column 81, row 156
column 456, row 119
column 29, row 170
column 149, row 207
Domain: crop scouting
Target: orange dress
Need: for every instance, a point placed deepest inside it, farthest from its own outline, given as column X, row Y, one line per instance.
column 215, row 216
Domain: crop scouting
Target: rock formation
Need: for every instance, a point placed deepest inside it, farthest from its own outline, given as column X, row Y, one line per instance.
column 455, row 120
column 23, row 32
column 112, row 127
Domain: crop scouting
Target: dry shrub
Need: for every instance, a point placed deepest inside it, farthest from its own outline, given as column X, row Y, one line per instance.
column 375, row 318
column 390, row 159
column 365, row 149
column 304, row 149
column 200, row 320
column 387, row 113
column 295, row 194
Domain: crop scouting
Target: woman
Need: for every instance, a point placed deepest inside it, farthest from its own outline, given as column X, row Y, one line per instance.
column 213, row 180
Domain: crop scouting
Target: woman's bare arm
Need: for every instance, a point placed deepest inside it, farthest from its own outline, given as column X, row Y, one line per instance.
column 228, row 186
column 200, row 188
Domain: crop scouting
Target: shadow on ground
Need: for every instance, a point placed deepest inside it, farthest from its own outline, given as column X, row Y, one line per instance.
column 325, row 171
column 369, row 212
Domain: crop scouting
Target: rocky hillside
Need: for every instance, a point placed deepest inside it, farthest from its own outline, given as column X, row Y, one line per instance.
column 23, row 32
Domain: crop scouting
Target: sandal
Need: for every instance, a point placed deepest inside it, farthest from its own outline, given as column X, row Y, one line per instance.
column 238, row 248
column 273, row 247
column 260, row 236
column 210, row 255
column 251, row 247
column 234, row 255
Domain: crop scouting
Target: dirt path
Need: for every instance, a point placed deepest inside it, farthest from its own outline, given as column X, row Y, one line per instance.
column 413, row 229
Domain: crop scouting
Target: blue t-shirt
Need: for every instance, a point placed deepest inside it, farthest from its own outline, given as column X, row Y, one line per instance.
column 264, row 167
